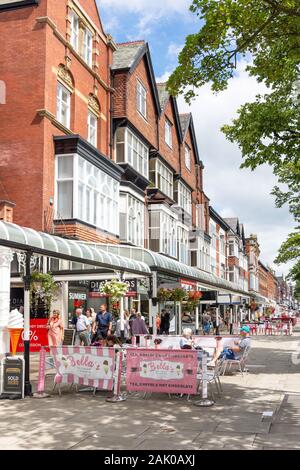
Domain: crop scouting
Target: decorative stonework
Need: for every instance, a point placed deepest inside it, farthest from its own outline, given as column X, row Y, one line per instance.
column 6, row 258
column 94, row 104
column 64, row 74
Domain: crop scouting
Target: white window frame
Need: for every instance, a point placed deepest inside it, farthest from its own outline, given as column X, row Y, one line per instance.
column 183, row 244
column 163, row 177
column 100, row 195
column 184, row 196
column 63, row 104
column 168, row 132
column 92, row 128
column 187, row 157
column 136, row 153
column 88, row 47
column 74, row 31
column 141, row 99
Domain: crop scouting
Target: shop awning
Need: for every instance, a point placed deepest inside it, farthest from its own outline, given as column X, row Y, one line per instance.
column 27, row 239
column 158, row 262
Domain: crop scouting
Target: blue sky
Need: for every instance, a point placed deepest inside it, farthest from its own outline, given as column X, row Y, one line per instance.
column 233, row 192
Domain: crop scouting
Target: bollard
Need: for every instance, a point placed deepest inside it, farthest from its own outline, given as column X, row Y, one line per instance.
column 117, row 396
column 204, row 401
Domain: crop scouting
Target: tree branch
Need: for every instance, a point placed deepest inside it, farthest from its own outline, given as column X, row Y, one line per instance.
column 279, row 7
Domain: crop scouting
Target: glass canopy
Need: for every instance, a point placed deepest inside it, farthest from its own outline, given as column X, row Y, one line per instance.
column 158, row 262
column 14, row 236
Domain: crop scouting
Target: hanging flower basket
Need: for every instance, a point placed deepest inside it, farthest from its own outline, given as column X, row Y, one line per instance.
column 43, row 289
column 164, row 295
column 114, row 289
column 195, row 295
column 178, row 295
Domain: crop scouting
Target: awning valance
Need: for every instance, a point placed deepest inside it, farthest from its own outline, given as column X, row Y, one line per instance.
column 25, row 239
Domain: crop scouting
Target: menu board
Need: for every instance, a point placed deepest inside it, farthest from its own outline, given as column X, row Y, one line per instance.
column 12, row 4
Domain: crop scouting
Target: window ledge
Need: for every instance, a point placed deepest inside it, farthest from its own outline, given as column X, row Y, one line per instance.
column 44, row 113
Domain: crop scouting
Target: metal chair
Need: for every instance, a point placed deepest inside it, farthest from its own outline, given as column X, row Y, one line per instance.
column 241, row 362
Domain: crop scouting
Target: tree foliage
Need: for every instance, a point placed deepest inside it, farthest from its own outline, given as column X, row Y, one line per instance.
column 267, row 34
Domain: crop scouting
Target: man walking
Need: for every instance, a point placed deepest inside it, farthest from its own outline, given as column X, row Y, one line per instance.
column 103, row 323
column 82, row 328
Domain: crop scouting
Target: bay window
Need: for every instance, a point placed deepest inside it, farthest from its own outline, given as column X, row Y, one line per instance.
column 183, row 245
column 130, row 149
column 132, row 219
column 86, row 193
column 163, row 232
column 161, row 177
column 63, row 111
column 92, row 128
column 184, row 197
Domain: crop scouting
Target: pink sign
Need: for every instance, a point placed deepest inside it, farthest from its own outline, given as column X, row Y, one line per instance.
column 85, row 365
column 161, row 371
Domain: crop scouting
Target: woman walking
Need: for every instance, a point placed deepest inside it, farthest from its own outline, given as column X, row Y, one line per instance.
column 55, row 329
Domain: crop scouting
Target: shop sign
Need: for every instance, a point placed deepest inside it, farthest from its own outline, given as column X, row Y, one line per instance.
column 188, row 285
column 95, row 288
column 161, row 371
column 77, row 296
column 12, row 4
column 209, row 296
column 16, row 298
column 38, row 335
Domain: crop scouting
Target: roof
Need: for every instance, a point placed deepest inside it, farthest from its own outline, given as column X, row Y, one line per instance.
column 127, row 57
column 214, row 215
column 184, row 121
column 187, row 122
column 163, row 94
column 164, row 97
column 126, row 54
column 27, row 239
column 233, row 223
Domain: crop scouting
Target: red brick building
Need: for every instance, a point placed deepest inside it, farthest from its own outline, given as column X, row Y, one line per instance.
column 55, row 67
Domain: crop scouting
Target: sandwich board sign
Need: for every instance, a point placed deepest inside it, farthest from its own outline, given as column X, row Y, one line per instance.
column 12, row 377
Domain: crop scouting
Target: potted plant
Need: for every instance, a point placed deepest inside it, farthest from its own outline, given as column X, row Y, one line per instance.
column 178, row 294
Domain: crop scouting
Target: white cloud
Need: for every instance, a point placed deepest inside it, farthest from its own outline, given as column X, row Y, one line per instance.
column 149, row 12
column 235, row 192
column 174, row 49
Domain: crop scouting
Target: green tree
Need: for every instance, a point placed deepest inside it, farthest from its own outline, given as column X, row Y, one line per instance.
column 267, row 34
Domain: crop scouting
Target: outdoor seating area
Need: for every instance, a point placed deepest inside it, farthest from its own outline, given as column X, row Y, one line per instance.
column 271, row 327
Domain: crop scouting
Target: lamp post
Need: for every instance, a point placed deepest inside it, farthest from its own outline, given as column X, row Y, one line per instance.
column 27, row 279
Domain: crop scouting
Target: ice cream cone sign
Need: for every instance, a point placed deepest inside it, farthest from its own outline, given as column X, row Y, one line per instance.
column 15, row 327
column 15, row 334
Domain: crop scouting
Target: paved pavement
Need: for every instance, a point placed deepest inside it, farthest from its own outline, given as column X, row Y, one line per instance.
column 81, row 421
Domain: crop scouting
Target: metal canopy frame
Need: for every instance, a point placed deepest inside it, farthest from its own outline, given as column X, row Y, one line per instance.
column 26, row 239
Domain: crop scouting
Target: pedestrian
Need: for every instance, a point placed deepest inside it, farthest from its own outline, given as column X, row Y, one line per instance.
column 165, row 322
column 82, row 328
column 126, row 327
column 55, row 329
column 91, row 321
column 158, row 323
column 207, row 324
column 103, row 322
column 139, row 326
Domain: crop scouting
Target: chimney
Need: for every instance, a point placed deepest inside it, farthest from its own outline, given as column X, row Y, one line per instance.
column 6, row 211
